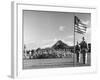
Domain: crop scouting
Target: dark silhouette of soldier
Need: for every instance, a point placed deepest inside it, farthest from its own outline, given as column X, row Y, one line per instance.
column 32, row 53
column 83, row 47
column 77, row 51
column 89, row 47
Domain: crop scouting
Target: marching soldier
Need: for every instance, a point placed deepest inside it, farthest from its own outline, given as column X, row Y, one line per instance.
column 83, row 47
column 77, row 51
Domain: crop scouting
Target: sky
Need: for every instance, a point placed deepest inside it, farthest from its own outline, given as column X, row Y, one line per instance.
column 44, row 28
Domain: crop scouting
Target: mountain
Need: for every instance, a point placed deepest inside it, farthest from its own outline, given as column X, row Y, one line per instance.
column 60, row 45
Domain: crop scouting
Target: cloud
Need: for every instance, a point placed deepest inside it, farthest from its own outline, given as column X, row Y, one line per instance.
column 88, row 30
column 41, row 44
column 55, row 39
column 61, row 28
column 70, row 43
column 86, row 22
column 49, row 43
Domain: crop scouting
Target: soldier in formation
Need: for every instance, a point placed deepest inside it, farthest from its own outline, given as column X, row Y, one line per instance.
column 77, row 51
column 83, row 48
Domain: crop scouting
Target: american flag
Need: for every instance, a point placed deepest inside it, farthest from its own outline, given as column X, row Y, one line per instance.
column 79, row 27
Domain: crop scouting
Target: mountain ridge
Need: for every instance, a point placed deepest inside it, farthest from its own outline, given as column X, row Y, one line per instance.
column 60, row 45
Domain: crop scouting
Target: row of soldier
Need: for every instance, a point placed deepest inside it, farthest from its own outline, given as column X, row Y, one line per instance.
column 46, row 53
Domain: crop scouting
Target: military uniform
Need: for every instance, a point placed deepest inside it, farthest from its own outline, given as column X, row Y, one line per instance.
column 77, row 50
column 83, row 47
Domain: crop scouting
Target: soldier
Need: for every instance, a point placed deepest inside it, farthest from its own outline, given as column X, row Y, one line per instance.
column 77, row 51
column 89, row 47
column 32, row 53
column 83, row 47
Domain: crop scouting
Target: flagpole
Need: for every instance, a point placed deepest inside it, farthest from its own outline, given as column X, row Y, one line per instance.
column 74, row 43
column 80, row 28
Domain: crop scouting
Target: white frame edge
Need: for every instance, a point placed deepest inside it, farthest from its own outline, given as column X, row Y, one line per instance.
column 16, row 68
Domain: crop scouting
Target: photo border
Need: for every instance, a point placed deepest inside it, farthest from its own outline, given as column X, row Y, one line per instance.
column 17, row 41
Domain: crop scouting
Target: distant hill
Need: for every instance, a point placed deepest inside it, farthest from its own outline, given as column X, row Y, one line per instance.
column 60, row 45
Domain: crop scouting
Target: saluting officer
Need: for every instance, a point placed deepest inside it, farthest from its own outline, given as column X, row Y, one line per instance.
column 83, row 47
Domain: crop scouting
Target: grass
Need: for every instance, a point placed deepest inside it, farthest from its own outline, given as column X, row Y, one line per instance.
column 54, row 62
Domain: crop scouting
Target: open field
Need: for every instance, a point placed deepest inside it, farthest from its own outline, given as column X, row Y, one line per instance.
column 53, row 63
